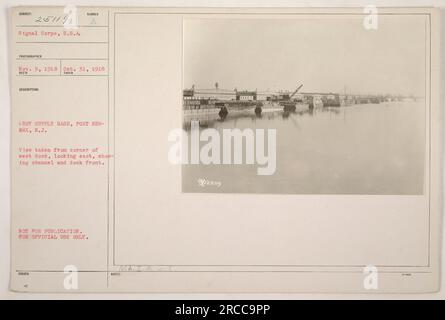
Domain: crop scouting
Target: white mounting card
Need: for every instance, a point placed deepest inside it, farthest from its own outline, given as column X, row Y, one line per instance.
column 225, row 150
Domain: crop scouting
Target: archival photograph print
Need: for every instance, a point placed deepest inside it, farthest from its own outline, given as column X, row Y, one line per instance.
column 305, row 104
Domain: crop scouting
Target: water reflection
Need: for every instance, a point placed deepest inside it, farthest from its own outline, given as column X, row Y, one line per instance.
column 210, row 119
column 360, row 149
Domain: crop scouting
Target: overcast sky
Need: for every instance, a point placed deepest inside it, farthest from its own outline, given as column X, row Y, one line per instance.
column 324, row 54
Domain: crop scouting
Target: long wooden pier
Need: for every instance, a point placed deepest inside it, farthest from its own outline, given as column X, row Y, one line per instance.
column 223, row 101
